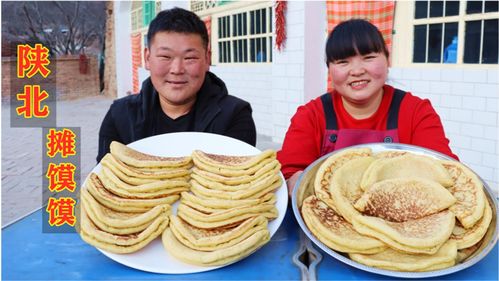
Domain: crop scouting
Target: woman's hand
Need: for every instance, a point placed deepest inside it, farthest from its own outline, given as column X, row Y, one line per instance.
column 291, row 182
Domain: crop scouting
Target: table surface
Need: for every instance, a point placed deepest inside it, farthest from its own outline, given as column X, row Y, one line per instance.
column 29, row 254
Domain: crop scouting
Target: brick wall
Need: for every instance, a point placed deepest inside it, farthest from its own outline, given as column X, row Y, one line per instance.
column 70, row 83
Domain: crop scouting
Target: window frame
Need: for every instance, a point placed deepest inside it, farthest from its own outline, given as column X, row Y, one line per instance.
column 234, row 9
column 403, row 40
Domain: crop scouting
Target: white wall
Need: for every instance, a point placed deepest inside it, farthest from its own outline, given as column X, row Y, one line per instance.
column 253, row 84
column 123, row 48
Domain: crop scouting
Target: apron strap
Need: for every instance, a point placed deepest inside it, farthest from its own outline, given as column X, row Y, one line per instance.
column 327, row 104
column 393, row 113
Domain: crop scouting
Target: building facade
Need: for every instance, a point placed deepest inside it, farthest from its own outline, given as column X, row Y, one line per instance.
column 445, row 51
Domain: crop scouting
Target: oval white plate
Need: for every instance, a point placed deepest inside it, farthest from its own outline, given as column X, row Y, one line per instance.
column 153, row 257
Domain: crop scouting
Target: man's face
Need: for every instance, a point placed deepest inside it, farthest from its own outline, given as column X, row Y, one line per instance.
column 178, row 63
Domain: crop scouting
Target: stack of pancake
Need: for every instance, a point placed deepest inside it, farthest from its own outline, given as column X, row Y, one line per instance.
column 225, row 217
column 397, row 210
column 126, row 205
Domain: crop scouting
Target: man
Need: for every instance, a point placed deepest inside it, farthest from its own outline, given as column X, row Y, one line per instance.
column 181, row 94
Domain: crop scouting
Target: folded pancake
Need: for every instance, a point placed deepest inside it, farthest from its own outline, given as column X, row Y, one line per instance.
column 250, row 193
column 164, row 173
column 468, row 190
column 404, row 166
column 265, row 180
column 425, row 235
column 217, row 205
column 217, row 238
column 135, row 158
column 135, row 180
column 403, row 199
column 122, row 189
column 467, row 237
column 120, row 244
column 329, row 167
column 119, row 222
column 227, row 204
column 112, row 201
column 224, row 218
column 466, row 253
column 232, row 162
column 217, row 257
column 236, row 180
column 394, row 260
column 265, row 165
column 334, row 231
column 345, row 186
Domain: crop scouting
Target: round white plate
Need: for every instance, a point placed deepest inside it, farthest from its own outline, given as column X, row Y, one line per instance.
column 153, row 257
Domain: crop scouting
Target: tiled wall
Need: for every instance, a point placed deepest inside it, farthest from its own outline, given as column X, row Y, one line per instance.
column 253, row 84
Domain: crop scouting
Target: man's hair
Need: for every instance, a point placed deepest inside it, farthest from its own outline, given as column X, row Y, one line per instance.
column 180, row 21
column 353, row 37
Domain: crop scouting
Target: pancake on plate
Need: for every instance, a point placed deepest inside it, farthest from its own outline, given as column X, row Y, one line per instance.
column 135, row 158
column 334, row 231
column 468, row 190
column 216, row 257
column 395, row 260
column 403, row 199
column 409, row 165
column 330, row 166
column 345, row 186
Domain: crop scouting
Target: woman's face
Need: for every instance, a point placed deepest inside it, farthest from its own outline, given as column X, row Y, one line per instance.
column 359, row 79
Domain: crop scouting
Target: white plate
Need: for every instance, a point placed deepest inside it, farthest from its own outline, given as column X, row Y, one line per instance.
column 153, row 257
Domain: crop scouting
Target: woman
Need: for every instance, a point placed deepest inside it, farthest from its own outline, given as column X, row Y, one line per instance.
column 361, row 108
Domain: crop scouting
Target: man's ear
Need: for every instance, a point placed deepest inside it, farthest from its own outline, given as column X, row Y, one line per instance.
column 147, row 54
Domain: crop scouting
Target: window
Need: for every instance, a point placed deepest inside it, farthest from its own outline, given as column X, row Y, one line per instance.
column 245, row 37
column 443, row 34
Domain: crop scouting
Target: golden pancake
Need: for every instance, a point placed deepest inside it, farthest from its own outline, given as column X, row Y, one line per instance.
column 334, row 231
column 424, row 235
column 238, row 179
column 119, row 222
column 232, row 162
column 217, row 257
column 264, row 181
column 203, row 192
column 395, row 260
column 468, row 190
column 404, row 199
column 226, row 217
column 409, row 165
column 467, row 237
column 120, row 244
column 345, row 186
column 330, row 166
column 218, row 238
column 163, row 173
column 217, row 205
column 264, row 165
column 124, row 190
column 135, row 158
column 110, row 200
